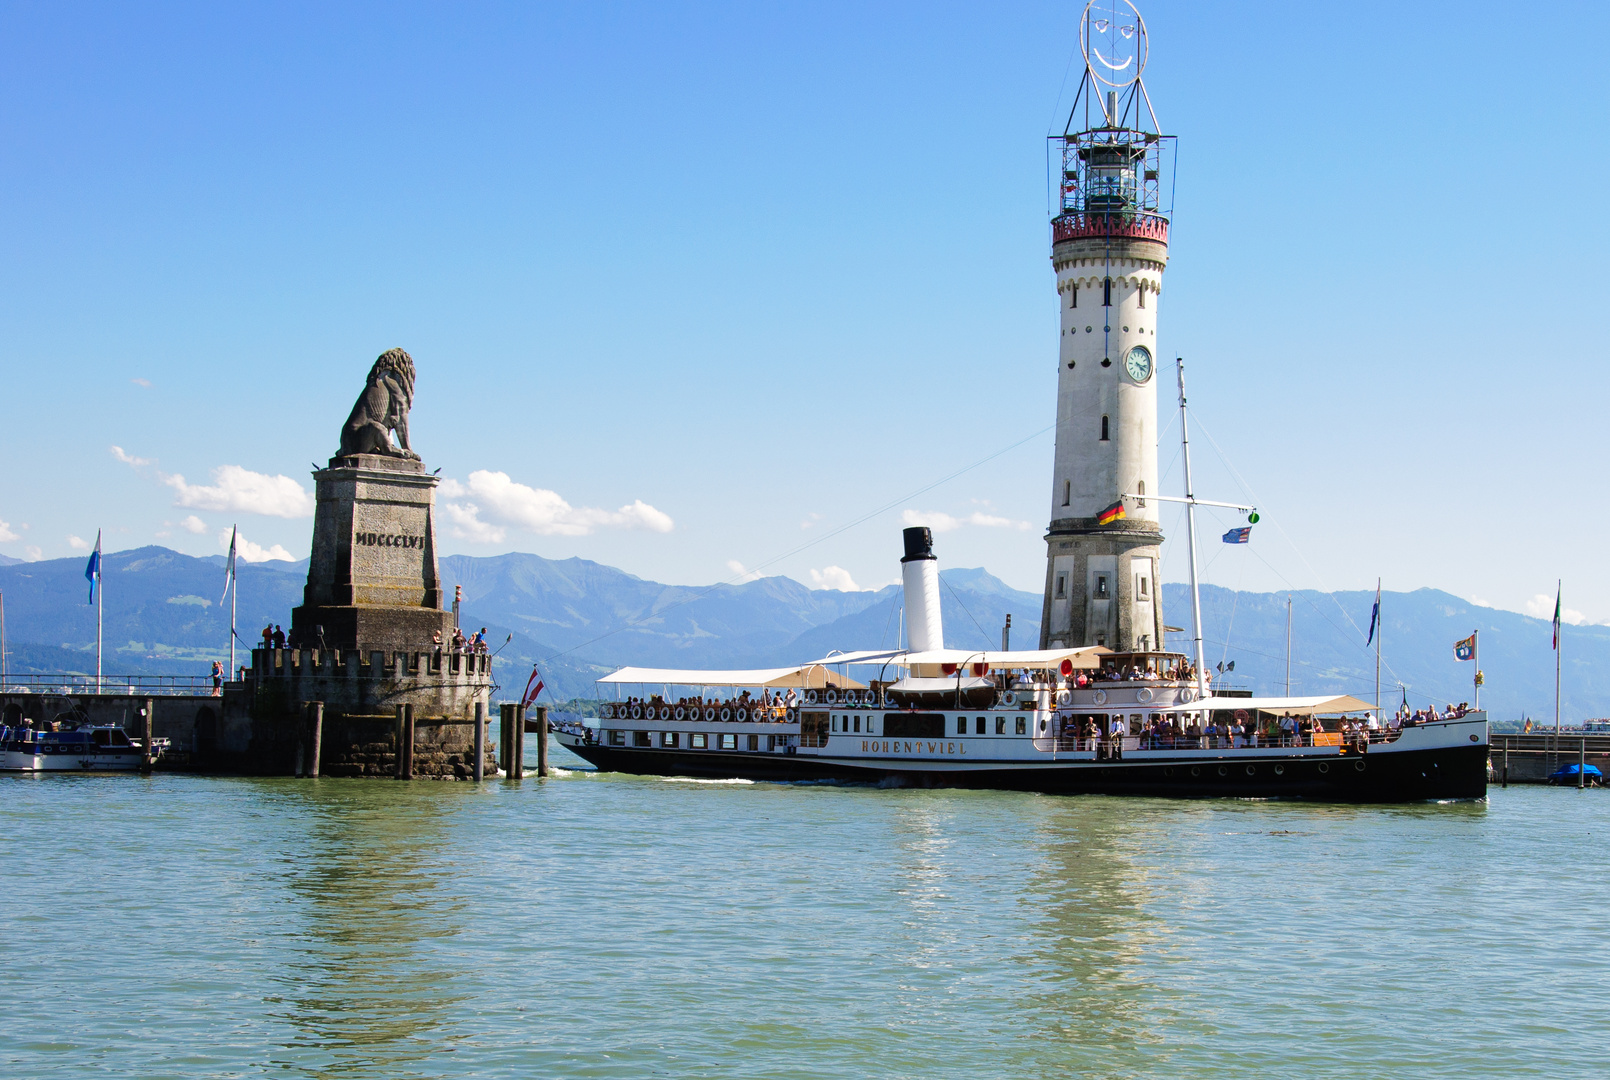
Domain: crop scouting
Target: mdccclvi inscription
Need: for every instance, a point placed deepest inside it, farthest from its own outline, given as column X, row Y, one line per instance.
column 398, row 540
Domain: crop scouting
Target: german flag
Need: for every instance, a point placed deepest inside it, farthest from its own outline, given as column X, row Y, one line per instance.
column 1111, row 514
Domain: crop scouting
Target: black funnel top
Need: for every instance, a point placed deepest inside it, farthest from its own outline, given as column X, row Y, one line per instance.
column 919, row 543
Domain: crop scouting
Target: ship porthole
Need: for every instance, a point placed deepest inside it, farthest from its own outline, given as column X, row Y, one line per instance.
column 1475, row 738
column 1324, row 766
column 1280, row 770
column 1169, row 771
column 1223, row 771
column 1195, row 771
column 1359, row 765
column 1252, row 770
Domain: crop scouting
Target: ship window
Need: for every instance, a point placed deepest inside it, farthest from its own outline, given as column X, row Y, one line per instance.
column 771, row 742
column 640, row 738
column 1062, row 586
column 1000, row 725
column 857, row 723
column 697, row 740
column 961, row 725
column 668, row 738
column 1101, row 586
column 1067, row 491
column 754, row 742
column 979, row 726
column 1103, row 429
column 1106, row 292
column 1022, row 725
column 729, row 741
column 869, row 725
column 617, row 738
column 1073, row 297
column 834, row 722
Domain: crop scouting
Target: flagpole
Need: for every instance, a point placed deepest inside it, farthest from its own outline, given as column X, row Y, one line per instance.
column 1378, row 648
column 234, row 594
column 1190, row 528
column 1557, row 636
column 100, row 600
column 1288, row 644
column 1475, row 655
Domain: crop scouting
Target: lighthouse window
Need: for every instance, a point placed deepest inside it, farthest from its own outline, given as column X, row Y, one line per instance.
column 1103, row 429
column 1101, row 586
column 1141, row 491
column 1141, row 295
column 1073, row 297
column 1106, row 292
column 1067, row 491
column 1062, row 586
column 1142, row 586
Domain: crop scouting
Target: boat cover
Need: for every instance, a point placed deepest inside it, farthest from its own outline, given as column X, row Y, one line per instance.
column 1296, row 706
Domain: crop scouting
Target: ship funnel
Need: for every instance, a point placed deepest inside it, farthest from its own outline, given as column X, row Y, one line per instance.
column 919, row 572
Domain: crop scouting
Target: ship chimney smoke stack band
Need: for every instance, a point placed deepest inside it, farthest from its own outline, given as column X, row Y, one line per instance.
column 919, row 573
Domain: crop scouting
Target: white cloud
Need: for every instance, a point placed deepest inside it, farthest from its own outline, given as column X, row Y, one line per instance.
column 1542, row 606
column 32, row 553
column 140, row 382
column 238, row 489
column 247, row 551
column 129, row 459
column 193, row 524
column 6, row 533
column 810, row 520
column 942, row 523
column 78, row 543
column 834, row 577
column 491, row 501
column 742, row 573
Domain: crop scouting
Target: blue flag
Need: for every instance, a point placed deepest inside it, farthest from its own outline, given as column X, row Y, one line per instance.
column 93, row 570
column 1238, row 536
column 1375, row 614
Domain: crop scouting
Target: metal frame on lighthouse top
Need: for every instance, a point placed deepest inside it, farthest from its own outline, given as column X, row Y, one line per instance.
column 1117, row 166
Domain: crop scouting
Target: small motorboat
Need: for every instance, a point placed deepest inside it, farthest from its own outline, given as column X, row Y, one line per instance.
column 86, row 749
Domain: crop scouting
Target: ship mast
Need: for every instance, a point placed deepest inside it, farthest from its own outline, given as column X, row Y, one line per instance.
column 1198, row 658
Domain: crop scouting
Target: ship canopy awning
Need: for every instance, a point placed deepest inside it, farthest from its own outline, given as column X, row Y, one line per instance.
column 1296, row 706
column 801, row 676
column 1089, row 656
column 945, row 685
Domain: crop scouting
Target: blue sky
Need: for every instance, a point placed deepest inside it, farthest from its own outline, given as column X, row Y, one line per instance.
column 725, row 278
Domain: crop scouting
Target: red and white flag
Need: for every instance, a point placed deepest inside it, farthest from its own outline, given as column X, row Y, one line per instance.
column 533, row 687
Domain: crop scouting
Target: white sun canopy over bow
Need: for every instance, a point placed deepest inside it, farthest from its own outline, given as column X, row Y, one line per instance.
column 801, row 676
column 1296, row 706
column 1089, row 656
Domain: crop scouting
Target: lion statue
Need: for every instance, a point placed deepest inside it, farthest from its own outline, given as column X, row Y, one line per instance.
column 381, row 409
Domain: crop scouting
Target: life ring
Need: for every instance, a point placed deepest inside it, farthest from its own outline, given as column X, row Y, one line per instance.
column 709, row 712
column 831, row 697
column 1063, row 697
column 810, row 697
column 726, row 714
column 637, row 712
column 1100, row 697
column 1143, row 695
column 742, row 714
column 604, row 711
column 849, row 698
column 1006, row 698
column 793, row 716
column 679, row 712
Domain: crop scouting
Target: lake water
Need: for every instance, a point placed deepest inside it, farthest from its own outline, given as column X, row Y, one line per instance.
column 598, row 925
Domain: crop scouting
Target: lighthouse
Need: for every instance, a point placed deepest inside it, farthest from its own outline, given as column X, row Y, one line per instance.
column 1109, row 247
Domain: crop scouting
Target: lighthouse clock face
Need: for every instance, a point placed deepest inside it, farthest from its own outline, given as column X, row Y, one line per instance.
column 1139, row 364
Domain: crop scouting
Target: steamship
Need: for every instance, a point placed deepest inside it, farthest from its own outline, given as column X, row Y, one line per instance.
column 1074, row 715
column 1066, row 720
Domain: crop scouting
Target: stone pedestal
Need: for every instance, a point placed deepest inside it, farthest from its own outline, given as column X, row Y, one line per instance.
column 373, row 580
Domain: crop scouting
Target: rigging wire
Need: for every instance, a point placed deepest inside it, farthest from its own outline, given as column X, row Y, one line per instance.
column 737, row 578
column 984, row 633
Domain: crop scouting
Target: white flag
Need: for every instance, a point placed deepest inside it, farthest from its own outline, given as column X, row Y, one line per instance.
column 229, row 567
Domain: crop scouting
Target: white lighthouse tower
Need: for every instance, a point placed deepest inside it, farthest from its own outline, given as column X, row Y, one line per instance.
column 1109, row 246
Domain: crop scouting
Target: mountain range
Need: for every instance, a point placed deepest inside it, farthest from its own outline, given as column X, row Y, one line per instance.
column 580, row 619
